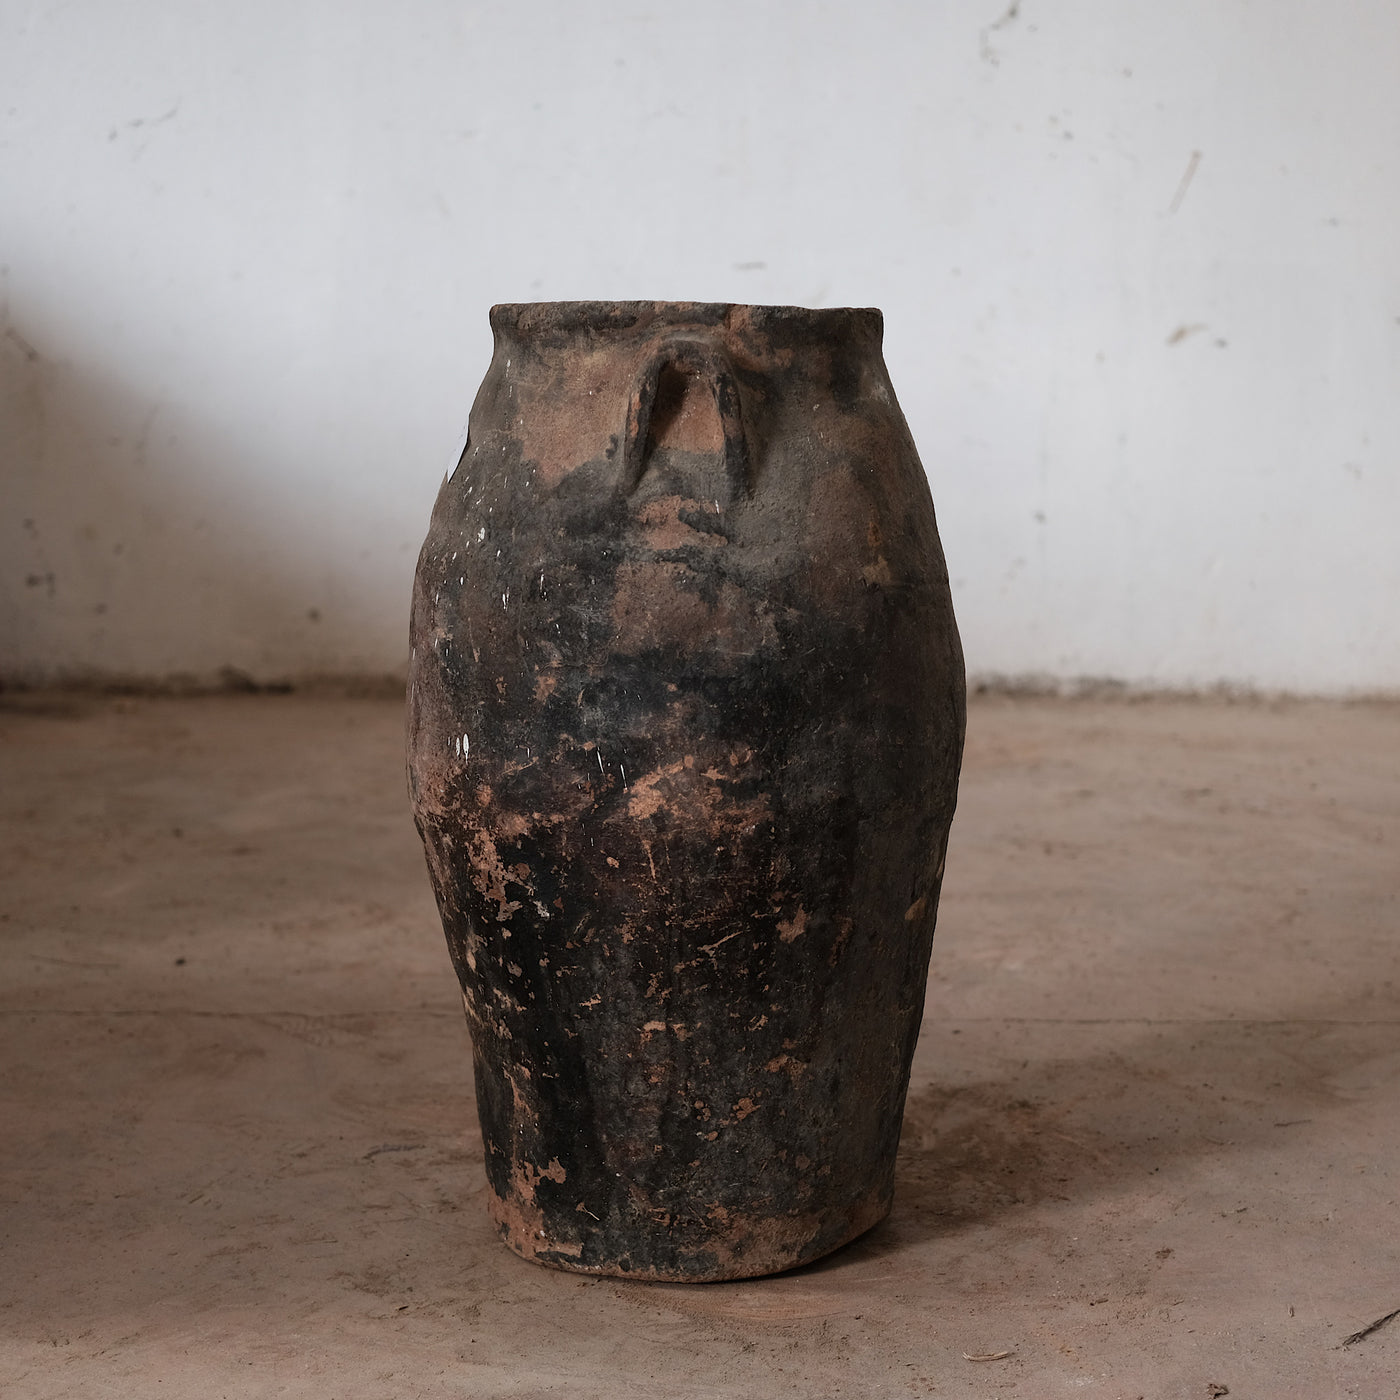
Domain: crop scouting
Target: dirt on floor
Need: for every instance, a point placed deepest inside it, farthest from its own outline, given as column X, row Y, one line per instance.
column 1152, row 1139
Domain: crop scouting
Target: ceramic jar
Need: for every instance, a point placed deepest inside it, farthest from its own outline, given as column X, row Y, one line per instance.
column 686, row 714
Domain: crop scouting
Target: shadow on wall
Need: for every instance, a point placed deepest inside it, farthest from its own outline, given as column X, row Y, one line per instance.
column 143, row 545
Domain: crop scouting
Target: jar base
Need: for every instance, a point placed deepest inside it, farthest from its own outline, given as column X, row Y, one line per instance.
column 743, row 1247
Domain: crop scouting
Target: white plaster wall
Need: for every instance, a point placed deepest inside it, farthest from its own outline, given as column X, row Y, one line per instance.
column 1137, row 263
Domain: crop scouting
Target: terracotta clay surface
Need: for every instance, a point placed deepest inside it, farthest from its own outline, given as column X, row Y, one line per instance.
column 686, row 709
column 1152, row 1128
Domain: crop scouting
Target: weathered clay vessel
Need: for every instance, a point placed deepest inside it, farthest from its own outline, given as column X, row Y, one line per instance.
column 686, row 714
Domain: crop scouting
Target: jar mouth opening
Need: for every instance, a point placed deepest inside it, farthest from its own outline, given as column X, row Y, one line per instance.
column 546, row 318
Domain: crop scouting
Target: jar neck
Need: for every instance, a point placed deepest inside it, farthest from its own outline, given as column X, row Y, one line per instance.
column 555, row 324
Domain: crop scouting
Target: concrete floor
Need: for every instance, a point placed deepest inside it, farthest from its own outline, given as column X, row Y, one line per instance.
column 1152, row 1136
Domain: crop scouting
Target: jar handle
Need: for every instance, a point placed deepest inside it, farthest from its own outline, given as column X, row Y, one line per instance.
column 709, row 360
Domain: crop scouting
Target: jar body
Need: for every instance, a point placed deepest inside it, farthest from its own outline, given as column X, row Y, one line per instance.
column 685, row 722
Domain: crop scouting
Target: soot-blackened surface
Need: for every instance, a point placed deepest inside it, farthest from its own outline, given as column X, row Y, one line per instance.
column 686, row 714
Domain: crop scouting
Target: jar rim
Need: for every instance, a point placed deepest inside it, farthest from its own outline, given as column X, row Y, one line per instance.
column 595, row 317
